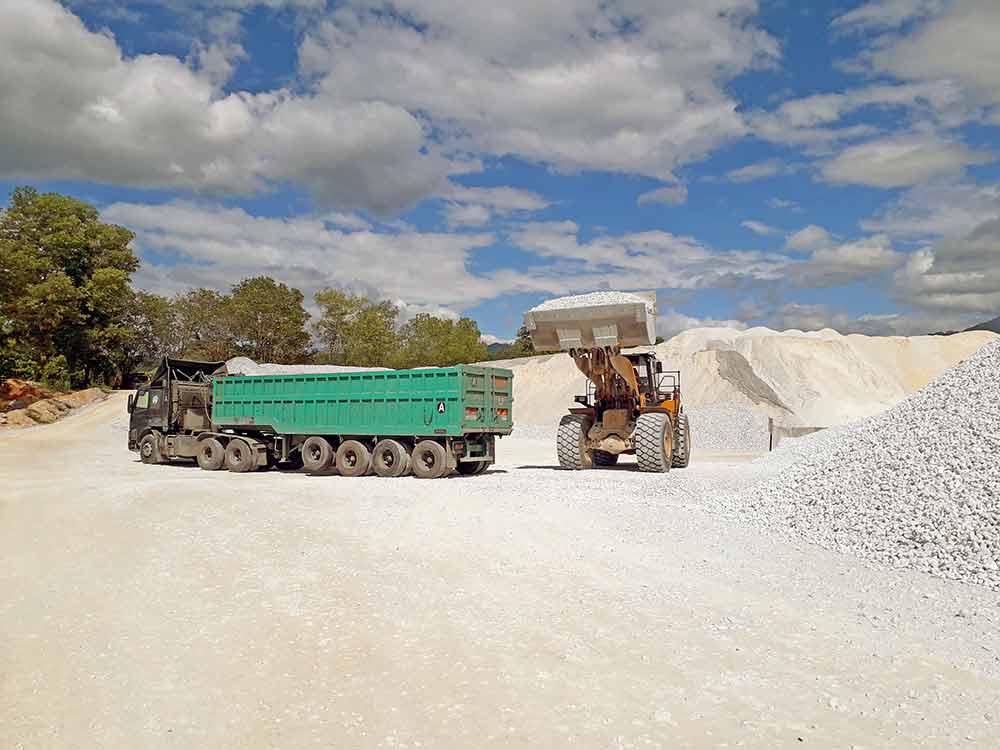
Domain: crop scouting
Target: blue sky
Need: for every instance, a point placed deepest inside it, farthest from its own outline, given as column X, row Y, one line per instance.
column 757, row 163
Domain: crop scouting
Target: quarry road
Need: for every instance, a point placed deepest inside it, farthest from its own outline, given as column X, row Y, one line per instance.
column 163, row 606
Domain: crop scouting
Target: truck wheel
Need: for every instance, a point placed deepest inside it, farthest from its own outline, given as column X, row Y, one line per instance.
column 239, row 457
column 149, row 449
column 571, row 441
column 682, row 443
column 429, row 460
column 603, row 458
column 211, row 454
column 654, row 442
column 317, row 454
column 471, row 468
column 353, row 459
column 389, row 458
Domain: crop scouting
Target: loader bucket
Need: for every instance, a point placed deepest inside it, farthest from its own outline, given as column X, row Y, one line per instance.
column 623, row 325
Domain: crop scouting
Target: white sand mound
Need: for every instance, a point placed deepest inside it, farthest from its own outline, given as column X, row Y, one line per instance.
column 246, row 366
column 819, row 378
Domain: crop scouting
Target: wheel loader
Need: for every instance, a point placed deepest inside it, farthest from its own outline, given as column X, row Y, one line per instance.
column 632, row 405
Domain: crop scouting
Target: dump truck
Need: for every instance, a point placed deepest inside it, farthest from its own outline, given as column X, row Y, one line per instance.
column 631, row 405
column 428, row 422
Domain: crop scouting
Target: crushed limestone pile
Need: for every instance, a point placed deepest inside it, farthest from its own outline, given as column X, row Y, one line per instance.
column 594, row 299
column 917, row 486
column 246, row 366
column 727, row 428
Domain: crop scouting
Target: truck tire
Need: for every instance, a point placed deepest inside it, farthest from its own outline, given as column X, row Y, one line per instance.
column 149, row 449
column 571, row 441
column 682, row 443
column 317, row 454
column 353, row 459
column 389, row 459
column 471, row 468
column 429, row 460
column 239, row 456
column 603, row 458
column 654, row 442
column 211, row 455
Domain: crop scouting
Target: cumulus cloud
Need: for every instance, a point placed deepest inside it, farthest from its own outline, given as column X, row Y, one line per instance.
column 847, row 262
column 671, row 195
column 155, row 121
column 583, row 84
column 809, row 238
column 886, row 14
column 476, row 206
column 899, row 161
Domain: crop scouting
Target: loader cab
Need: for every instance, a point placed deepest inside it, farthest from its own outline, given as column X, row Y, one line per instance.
column 656, row 385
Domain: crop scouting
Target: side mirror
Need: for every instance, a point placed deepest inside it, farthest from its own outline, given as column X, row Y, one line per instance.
column 131, row 402
column 659, row 367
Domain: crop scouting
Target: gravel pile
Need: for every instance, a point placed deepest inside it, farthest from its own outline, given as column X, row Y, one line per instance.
column 727, row 428
column 594, row 298
column 917, row 486
column 246, row 366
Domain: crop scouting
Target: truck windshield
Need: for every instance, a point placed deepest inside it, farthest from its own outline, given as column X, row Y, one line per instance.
column 142, row 400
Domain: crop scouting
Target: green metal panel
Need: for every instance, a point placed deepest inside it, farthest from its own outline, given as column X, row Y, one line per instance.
column 439, row 401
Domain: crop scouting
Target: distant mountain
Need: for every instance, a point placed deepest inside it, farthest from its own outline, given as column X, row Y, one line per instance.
column 498, row 346
column 989, row 325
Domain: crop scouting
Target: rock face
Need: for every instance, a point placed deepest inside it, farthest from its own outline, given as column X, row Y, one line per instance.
column 48, row 410
column 917, row 486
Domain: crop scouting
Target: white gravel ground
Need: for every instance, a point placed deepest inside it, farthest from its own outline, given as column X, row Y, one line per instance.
column 166, row 607
column 917, row 486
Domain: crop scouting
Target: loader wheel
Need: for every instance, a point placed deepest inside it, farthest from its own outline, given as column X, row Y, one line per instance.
column 603, row 458
column 211, row 455
column 429, row 460
column 654, row 442
column 149, row 449
column 240, row 457
column 317, row 454
column 353, row 459
column 682, row 443
column 389, row 458
column 571, row 441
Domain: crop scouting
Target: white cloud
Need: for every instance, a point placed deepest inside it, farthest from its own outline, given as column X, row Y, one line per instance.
column 489, row 338
column 898, row 161
column 577, row 84
column 957, row 43
column 756, row 171
column 215, row 247
column 809, row 238
column 670, row 322
column 154, row 121
column 847, row 262
column 886, row 14
column 783, row 204
column 759, row 227
column 928, row 212
column 466, row 215
column 476, row 206
column 671, row 195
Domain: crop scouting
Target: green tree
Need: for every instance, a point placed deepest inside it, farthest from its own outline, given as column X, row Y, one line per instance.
column 64, row 285
column 268, row 321
column 354, row 330
column 147, row 332
column 428, row 341
column 202, row 327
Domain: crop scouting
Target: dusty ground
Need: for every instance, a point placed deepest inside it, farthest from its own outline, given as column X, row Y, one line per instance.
column 151, row 607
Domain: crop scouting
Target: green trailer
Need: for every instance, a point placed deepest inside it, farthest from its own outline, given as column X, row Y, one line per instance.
column 389, row 422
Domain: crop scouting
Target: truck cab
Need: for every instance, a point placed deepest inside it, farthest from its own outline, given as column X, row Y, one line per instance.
column 166, row 414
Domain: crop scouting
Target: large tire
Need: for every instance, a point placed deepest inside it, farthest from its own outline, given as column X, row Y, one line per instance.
column 353, row 459
column 317, row 454
column 240, row 456
column 682, row 443
column 571, row 440
column 471, row 468
column 603, row 458
column 654, row 441
column 211, row 455
column 429, row 460
column 149, row 449
column 390, row 459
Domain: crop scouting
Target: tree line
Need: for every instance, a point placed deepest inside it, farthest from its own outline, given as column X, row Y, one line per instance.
column 70, row 317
